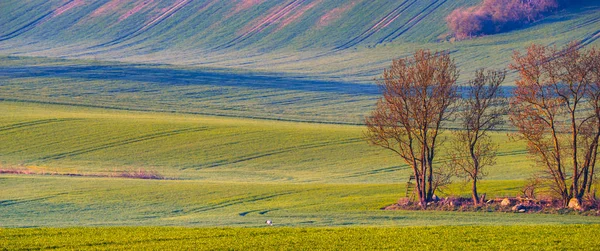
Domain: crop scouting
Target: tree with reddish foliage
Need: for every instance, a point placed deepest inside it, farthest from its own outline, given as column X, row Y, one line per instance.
column 481, row 111
column 494, row 16
column 408, row 119
column 556, row 109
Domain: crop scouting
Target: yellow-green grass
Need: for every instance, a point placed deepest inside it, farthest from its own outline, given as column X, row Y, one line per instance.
column 578, row 237
column 63, row 139
column 58, row 201
column 227, row 172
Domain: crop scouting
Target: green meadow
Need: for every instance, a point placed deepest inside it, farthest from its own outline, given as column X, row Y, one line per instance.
column 228, row 172
column 362, row 238
column 321, row 184
column 67, row 139
column 250, row 111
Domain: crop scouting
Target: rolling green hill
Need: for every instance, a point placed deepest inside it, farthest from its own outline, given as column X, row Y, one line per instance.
column 320, row 39
column 63, row 139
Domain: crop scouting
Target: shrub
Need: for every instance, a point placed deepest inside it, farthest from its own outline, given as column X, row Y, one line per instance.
column 141, row 173
column 494, row 16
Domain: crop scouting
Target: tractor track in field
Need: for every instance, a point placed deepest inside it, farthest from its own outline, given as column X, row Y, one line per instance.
column 122, row 143
column 27, row 200
column 239, row 201
column 263, row 24
column 81, row 140
column 378, row 171
column 406, row 166
column 592, row 21
column 381, row 23
column 590, row 39
column 149, row 25
column 260, row 212
column 274, row 152
column 389, row 18
column 29, row 26
column 413, row 21
column 32, row 123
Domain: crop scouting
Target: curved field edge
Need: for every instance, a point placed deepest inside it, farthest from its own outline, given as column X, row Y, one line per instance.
column 580, row 237
column 65, row 139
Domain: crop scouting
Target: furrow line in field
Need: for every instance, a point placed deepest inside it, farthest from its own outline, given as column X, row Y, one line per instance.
column 217, row 113
column 21, row 201
column 592, row 21
column 405, row 166
column 413, row 21
column 33, row 23
column 32, row 123
column 274, row 152
column 265, row 23
column 166, row 14
column 382, row 23
column 262, row 25
column 240, row 201
column 122, row 143
column 80, row 140
column 153, row 23
column 377, row 171
column 590, row 39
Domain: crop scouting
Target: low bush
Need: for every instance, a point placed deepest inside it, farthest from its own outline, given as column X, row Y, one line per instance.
column 494, row 16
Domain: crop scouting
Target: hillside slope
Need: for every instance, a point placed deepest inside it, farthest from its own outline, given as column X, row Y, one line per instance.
column 351, row 40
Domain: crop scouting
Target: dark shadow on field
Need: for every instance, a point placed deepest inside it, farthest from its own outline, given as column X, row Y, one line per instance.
column 184, row 77
column 196, row 77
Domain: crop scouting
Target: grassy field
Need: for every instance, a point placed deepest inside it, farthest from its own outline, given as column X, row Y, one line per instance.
column 226, row 171
column 68, row 139
column 421, row 238
column 51, row 201
column 234, row 173
column 205, row 33
column 190, row 90
column 252, row 111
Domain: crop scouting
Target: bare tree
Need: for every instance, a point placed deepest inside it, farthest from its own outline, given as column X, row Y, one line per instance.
column 481, row 111
column 555, row 108
column 417, row 93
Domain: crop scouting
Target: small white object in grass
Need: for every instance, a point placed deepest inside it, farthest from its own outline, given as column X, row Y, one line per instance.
column 269, row 222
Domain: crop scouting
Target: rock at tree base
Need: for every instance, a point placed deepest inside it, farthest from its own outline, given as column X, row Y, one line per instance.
column 519, row 208
column 574, row 204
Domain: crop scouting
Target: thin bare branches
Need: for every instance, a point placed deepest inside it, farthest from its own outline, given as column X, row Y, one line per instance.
column 481, row 111
column 417, row 94
column 555, row 108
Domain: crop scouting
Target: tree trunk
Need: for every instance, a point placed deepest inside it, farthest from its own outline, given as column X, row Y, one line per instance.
column 422, row 191
column 593, row 161
column 430, row 182
column 576, row 171
column 474, row 192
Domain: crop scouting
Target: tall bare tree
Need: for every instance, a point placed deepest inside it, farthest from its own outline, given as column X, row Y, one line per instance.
column 555, row 108
column 408, row 119
column 481, row 110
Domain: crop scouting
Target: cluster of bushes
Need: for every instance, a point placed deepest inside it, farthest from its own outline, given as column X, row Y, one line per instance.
column 494, row 16
column 140, row 173
column 590, row 205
